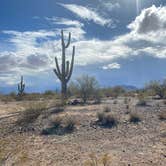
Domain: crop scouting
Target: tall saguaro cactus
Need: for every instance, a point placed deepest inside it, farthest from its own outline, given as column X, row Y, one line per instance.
column 64, row 74
column 21, row 87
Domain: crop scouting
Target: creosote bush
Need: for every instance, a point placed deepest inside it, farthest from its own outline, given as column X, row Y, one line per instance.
column 107, row 119
column 134, row 117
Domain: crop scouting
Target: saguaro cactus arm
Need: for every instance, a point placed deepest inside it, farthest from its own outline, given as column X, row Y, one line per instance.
column 72, row 64
column 63, row 41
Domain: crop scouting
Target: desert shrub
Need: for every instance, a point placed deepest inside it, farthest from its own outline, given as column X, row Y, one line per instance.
column 103, row 160
column 134, row 117
column 97, row 96
column 107, row 109
column 162, row 115
column 31, row 114
column 60, row 125
column 69, row 124
column 100, row 116
column 107, row 119
column 157, row 88
column 49, row 92
column 55, row 126
column 113, row 91
column 56, row 121
column 141, row 102
column 110, row 120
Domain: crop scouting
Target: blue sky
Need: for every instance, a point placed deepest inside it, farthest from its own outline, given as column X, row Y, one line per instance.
column 120, row 42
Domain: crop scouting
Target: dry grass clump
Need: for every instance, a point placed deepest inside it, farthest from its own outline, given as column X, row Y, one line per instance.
column 60, row 125
column 134, row 117
column 162, row 115
column 56, row 121
column 31, row 114
column 69, row 123
column 107, row 109
column 103, row 160
column 107, row 119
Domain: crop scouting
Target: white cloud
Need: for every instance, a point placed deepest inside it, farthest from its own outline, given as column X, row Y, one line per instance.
column 87, row 14
column 35, row 51
column 109, row 6
column 150, row 20
column 111, row 66
column 65, row 21
column 71, row 26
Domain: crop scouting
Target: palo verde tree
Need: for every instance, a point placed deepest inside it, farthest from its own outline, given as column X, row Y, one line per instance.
column 64, row 74
column 21, row 87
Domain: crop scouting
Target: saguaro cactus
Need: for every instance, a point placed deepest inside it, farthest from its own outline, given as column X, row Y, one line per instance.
column 64, row 74
column 21, row 87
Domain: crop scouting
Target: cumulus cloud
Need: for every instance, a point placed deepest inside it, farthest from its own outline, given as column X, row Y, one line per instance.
column 150, row 20
column 111, row 66
column 87, row 14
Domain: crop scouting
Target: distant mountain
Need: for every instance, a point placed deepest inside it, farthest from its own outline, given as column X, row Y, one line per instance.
column 129, row 87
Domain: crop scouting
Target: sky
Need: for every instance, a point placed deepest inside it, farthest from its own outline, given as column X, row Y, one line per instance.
column 120, row 42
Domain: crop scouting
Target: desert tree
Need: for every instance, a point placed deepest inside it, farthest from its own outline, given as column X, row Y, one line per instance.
column 64, row 74
column 157, row 88
column 87, row 87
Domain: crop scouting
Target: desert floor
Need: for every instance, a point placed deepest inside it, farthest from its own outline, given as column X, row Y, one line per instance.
column 127, row 144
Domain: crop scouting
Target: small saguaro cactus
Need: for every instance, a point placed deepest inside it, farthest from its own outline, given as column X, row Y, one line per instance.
column 64, row 74
column 21, row 87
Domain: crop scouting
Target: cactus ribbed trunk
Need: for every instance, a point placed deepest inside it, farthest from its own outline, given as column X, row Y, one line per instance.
column 64, row 74
column 21, row 87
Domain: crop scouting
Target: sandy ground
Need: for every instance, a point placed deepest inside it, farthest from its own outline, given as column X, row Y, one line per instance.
column 127, row 144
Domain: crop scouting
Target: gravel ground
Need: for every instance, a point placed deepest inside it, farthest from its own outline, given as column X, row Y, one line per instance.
column 127, row 144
